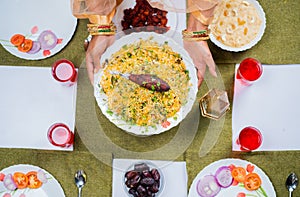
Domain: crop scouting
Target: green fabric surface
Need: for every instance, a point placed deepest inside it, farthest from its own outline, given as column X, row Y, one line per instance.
column 97, row 140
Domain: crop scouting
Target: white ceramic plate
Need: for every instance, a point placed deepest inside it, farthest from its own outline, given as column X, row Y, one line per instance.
column 171, row 16
column 261, row 13
column 233, row 190
column 50, row 188
column 21, row 16
column 181, row 114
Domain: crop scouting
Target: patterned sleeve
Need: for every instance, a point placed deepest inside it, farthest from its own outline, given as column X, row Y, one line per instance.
column 84, row 8
column 192, row 5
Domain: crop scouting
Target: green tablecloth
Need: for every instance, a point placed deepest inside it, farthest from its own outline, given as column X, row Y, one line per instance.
column 279, row 45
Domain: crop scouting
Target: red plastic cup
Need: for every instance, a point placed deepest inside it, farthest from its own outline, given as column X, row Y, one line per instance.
column 64, row 72
column 249, row 139
column 249, row 71
column 60, row 135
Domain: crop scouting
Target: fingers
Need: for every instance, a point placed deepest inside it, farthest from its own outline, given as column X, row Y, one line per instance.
column 200, row 72
column 200, row 79
column 90, row 67
column 201, row 57
column 97, row 65
column 211, row 64
column 96, row 48
column 207, row 57
column 209, row 60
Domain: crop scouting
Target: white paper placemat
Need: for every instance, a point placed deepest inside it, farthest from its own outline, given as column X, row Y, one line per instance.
column 272, row 105
column 30, row 102
column 174, row 174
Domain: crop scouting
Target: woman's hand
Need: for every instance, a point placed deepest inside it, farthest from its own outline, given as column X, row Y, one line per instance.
column 199, row 51
column 201, row 57
column 97, row 46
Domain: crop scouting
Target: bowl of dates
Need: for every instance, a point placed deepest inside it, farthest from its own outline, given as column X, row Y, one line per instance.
column 143, row 179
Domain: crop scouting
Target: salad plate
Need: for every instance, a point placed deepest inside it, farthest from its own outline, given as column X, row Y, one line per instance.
column 50, row 186
column 213, row 180
column 32, row 19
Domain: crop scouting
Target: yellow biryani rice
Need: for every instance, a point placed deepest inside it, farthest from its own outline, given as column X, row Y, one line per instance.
column 138, row 105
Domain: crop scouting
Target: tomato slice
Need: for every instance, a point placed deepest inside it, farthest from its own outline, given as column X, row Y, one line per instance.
column 33, row 181
column 252, row 181
column 239, row 174
column 25, row 46
column 20, row 180
column 17, row 39
column 2, row 176
column 165, row 124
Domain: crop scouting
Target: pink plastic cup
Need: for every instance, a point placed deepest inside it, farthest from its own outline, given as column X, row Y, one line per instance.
column 64, row 72
column 60, row 135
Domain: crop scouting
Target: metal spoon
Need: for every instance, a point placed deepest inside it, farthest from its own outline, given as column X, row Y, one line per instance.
column 291, row 183
column 80, row 180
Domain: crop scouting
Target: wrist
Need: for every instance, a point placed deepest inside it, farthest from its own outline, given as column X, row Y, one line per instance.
column 201, row 35
column 101, row 30
column 196, row 31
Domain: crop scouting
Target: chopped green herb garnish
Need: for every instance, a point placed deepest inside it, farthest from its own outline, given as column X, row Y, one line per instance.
column 154, row 99
column 152, row 87
column 109, row 112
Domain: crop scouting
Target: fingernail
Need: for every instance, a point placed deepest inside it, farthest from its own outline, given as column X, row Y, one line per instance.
column 214, row 73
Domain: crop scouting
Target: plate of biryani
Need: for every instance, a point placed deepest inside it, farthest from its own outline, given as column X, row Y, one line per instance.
column 238, row 25
column 134, row 108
